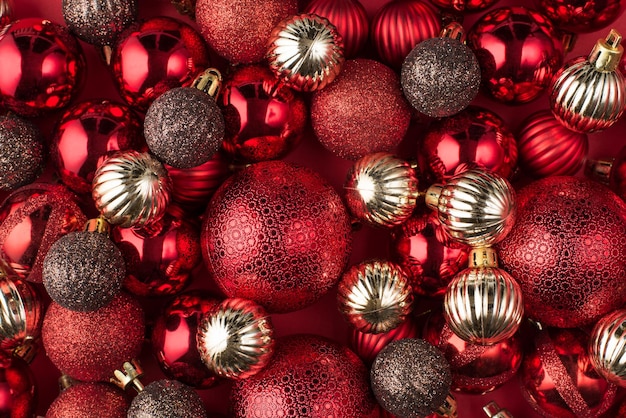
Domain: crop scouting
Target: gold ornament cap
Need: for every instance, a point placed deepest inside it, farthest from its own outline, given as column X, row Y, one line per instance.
column 483, row 257
column 453, row 30
column 448, row 409
column 209, row 81
column 130, row 375
column 607, row 53
column 494, row 411
column 99, row 225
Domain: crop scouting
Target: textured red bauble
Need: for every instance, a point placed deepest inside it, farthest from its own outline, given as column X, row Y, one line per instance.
column 42, row 66
column 87, row 134
column 17, row 390
column 464, row 6
column 568, row 250
column 547, row 148
column 581, row 16
column 519, row 50
column 277, row 234
column 309, row 376
column 239, row 29
column 100, row 400
column 154, row 56
column 400, row 25
column 367, row 346
column 353, row 116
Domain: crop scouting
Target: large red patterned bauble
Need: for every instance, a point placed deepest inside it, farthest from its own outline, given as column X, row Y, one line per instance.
column 277, row 234
column 464, row 6
column 568, row 250
column 101, row 400
column 518, row 50
column 581, row 16
column 42, row 66
column 262, row 122
column 309, row 376
column 17, row 390
column 367, row 346
column 239, row 29
column 154, row 56
column 32, row 219
column 400, row 25
column 89, row 346
column 87, row 134
column 476, row 136
column 560, row 380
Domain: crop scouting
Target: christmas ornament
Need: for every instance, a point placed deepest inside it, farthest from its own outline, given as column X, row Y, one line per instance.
column 235, row 339
column 426, row 254
column 31, row 219
column 352, row 124
column 547, row 148
column 350, row 19
column 88, row 346
column 185, row 7
column 409, row 388
column 263, row 121
column 475, row 207
column 494, row 411
column 305, row 52
column 21, row 151
column 567, row 251
column 441, row 76
column 581, row 16
column 30, row 85
column 155, row 55
column 476, row 136
column 131, row 189
column 375, row 297
column 184, row 127
column 89, row 400
column 381, row 189
column 308, row 376
column 277, row 234
column 174, row 339
column 167, row 399
column 606, row 347
column 367, row 345
column 587, row 94
column 559, row 379
column 238, row 30
column 6, row 12
column 464, row 6
column 400, row 25
column 610, row 171
column 88, row 133
column 518, row 50
column 17, row 390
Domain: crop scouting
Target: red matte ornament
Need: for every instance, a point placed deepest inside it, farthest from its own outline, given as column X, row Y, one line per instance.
column 101, row 400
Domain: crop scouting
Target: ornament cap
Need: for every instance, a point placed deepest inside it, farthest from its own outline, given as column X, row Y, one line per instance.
column 66, row 382
column 448, row 409
column 494, row 411
column 130, row 376
column 607, row 53
column 27, row 351
column 107, row 54
column 483, row 257
column 99, row 225
column 432, row 196
column 599, row 170
column 185, row 7
column 453, row 30
column 209, row 81
column 6, row 10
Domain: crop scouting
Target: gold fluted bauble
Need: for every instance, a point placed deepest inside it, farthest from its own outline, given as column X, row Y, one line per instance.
column 607, row 347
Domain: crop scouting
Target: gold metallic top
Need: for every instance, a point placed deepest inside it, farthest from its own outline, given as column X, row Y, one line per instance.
column 99, row 225
column 130, row 376
column 448, row 409
column 453, row 30
column 66, row 382
column 493, row 411
column 209, row 81
column 606, row 54
column 483, row 257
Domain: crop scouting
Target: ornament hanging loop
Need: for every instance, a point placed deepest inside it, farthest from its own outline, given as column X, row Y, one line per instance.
column 606, row 54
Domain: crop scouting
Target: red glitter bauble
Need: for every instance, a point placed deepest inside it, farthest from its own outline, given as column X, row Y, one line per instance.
column 400, row 25
column 350, row 19
column 262, row 122
column 32, row 219
column 277, row 234
column 89, row 346
column 309, row 376
column 560, row 380
column 367, row 346
column 42, row 66
column 353, row 116
column 239, row 29
column 154, row 56
column 547, row 148
column 464, row 6
column 87, row 134
column 568, row 251
column 17, row 390
column 100, row 400
column 519, row 51
column 581, row 16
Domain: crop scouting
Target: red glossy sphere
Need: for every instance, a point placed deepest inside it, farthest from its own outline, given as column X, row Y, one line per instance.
column 617, row 179
column 174, row 339
column 277, row 234
column 581, row 16
column 476, row 136
column 100, row 400
column 87, row 134
column 367, row 346
column 154, row 56
column 518, row 50
column 17, row 390
column 42, row 66
column 464, row 6
column 262, row 122
column 568, row 251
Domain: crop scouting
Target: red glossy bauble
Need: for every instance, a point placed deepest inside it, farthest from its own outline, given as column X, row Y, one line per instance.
column 31, row 219
column 367, row 346
column 309, row 376
column 518, row 50
column 350, row 19
column 159, row 260
column 568, row 250
column 617, row 178
column 263, row 122
column 547, row 148
column 18, row 398
column 400, row 25
column 42, row 66
column 277, row 234
column 102, row 400
column 87, row 134
column 174, row 339
column 154, row 56
column 581, row 16
column 475, row 368
column 559, row 379
column 464, row 6
column 476, row 136
column 427, row 255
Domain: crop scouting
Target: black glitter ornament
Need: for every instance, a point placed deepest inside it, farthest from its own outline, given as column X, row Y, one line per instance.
column 21, row 152
column 167, row 399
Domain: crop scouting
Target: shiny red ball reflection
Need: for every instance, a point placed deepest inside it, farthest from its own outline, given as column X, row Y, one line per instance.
column 618, row 174
column 17, row 390
column 581, row 16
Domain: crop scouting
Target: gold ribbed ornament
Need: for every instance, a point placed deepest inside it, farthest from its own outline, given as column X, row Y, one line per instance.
column 607, row 347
